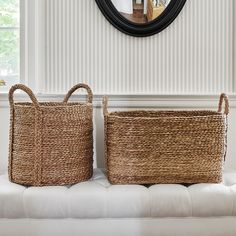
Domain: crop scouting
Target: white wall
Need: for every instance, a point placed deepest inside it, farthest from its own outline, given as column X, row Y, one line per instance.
column 193, row 55
column 178, row 68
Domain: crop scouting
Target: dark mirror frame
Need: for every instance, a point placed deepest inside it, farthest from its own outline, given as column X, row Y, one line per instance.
column 140, row 30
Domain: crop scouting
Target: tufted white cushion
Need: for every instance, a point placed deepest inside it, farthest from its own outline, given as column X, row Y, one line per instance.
column 97, row 198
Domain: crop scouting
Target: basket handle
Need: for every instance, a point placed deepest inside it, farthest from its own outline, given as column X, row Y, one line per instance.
column 26, row 90
column 78, row 86
column 105, row 105
column 224, row 97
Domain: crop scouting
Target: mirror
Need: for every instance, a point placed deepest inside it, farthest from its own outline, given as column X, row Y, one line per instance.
column 141, row 18
column 140, row 11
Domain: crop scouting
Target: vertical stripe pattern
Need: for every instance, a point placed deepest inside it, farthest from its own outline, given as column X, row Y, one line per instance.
column 194, row 55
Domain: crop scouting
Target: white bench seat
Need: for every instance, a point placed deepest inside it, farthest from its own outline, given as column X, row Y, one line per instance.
column 97, row 198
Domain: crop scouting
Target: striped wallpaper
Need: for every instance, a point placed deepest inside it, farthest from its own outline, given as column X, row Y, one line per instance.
column 194, row 55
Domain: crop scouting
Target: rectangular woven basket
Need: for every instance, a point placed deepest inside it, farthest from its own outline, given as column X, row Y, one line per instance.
column 51, row 143
column 151, row 147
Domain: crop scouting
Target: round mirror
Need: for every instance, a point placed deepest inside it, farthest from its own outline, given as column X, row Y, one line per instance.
column 141, row 17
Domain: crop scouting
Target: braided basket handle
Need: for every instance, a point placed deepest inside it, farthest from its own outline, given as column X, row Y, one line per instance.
column 76, row 87
column 105, row 105
column 224, row 97
column 26, row 90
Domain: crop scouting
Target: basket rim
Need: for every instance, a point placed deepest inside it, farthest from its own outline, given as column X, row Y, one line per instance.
column 51, row 104
column 115, row 114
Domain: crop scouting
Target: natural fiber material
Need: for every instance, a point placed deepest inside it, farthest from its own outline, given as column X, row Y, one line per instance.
column 148, row 147
column 51, row 143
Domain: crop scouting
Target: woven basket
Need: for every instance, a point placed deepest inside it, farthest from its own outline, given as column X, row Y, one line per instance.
column 51, row 143
column 151, row 147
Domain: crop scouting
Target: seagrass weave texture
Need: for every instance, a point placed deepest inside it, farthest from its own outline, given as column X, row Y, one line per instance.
column 51, row 143
column 148, row 147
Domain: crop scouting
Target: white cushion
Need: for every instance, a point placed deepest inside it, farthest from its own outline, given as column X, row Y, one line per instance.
column 97, row 198
column 11, row 199
column 45, row 202
column 128, row 201
column 87, row 200
column 211, row 200
column 170, row 200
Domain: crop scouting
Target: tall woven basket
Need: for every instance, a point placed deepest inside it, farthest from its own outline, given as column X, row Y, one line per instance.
column 51, row 143
column 148, row 147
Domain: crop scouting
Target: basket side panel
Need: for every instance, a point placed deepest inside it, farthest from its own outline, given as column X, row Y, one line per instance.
column 176, row 150
column 23, row 145
column 67, row 145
